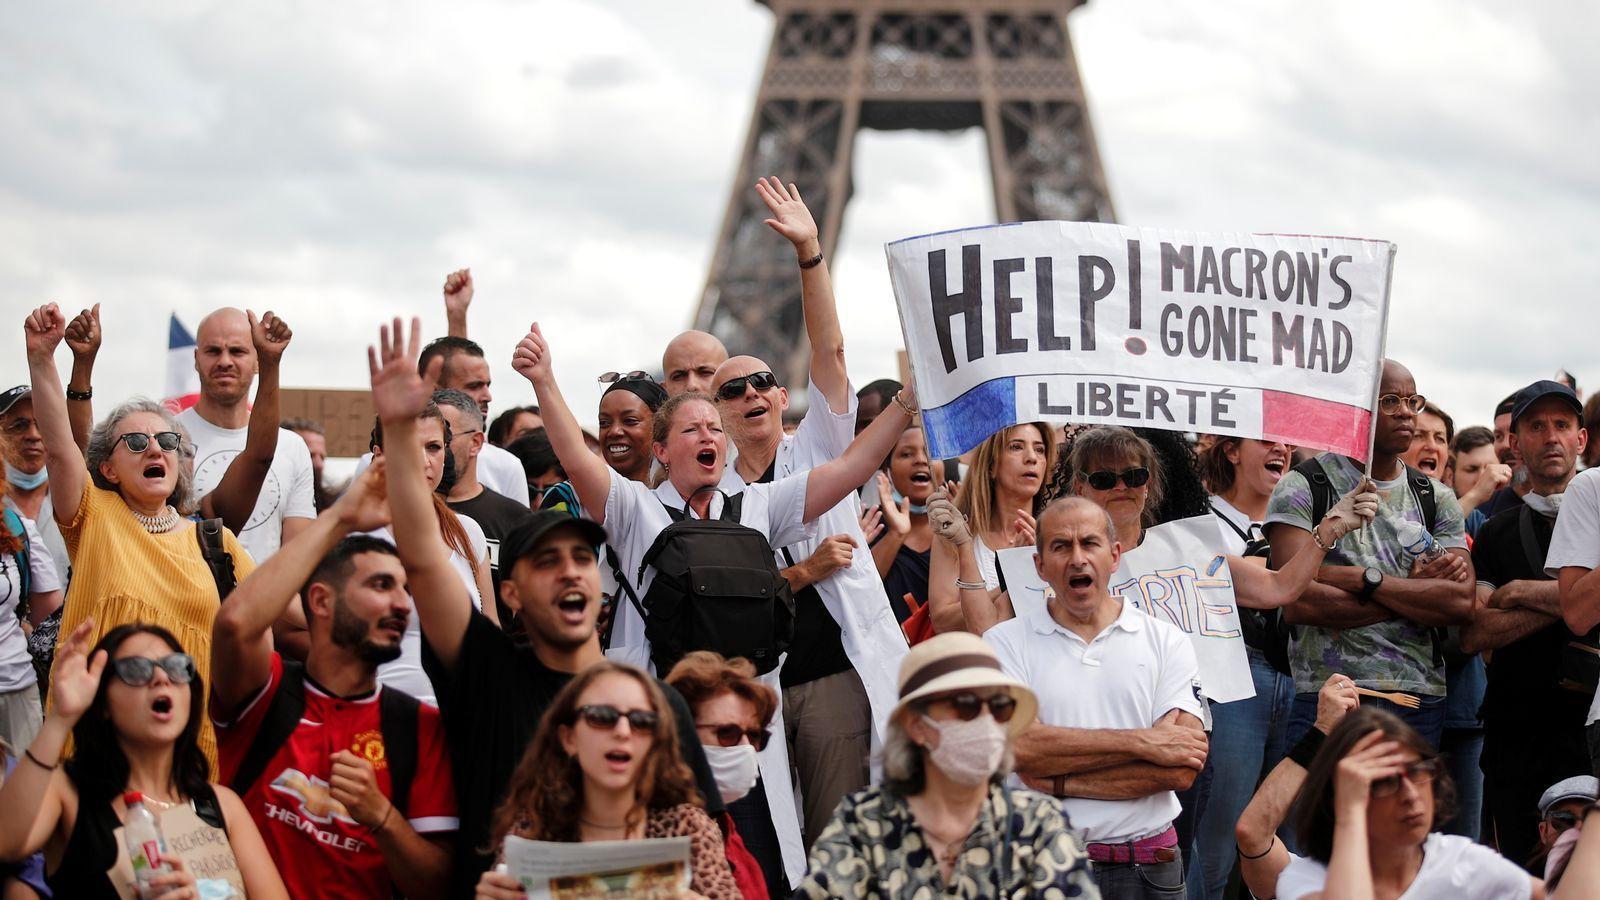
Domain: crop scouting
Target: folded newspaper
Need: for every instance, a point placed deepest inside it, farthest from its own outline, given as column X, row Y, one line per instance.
column 654, row 869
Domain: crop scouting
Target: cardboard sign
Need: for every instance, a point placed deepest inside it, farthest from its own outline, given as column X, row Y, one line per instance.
column 204, row 850
column 346, row 415
column 1269, row 336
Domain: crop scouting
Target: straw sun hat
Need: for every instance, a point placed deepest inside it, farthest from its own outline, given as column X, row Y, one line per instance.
column 957, row 661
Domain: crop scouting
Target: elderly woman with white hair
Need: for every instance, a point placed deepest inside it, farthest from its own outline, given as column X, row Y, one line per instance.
column 123, row 509
column 943, row 823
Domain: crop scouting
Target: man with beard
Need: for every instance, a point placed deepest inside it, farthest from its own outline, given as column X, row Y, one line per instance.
column 377, row 814
column 1510, row 496
column 491, row 690
column 495, row 513
column 1373, row 612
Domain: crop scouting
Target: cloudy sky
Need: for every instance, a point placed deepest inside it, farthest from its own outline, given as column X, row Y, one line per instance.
column 333, row 161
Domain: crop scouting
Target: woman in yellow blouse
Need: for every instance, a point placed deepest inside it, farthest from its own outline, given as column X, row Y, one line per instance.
column 123, row 512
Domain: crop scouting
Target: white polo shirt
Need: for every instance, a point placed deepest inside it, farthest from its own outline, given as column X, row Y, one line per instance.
column 1134, row 672
column 853, row 595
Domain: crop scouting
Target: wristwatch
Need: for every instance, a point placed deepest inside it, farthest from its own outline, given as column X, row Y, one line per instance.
column 1370, row 579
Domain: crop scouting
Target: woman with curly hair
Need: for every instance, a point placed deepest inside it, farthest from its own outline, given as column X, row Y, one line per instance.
column 605, row 766
column 122, row 506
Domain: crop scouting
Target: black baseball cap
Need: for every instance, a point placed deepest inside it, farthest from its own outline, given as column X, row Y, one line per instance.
column 12, row 397
column 529, row 533
column 1539, row 390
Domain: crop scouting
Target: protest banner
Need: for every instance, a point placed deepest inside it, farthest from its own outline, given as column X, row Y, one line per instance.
column 204, row 849
column 652, row 869
column 1178, row 576
column 1276, row 337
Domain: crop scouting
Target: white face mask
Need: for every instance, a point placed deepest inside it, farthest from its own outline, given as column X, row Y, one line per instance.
column 734, row 769
column 968, row 752
column 22, row 481
column 1546, row 506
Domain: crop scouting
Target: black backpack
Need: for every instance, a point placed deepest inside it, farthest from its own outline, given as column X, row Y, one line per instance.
column 397, row 720
column 1263, row 629
column 717, row 587
column 1323, row 499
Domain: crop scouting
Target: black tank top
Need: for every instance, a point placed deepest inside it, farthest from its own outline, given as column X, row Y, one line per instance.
column 92, row 848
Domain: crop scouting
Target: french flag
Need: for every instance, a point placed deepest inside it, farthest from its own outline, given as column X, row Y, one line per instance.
column 183, row 382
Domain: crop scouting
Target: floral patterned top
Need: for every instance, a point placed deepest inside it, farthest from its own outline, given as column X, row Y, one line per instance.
column 875, row 848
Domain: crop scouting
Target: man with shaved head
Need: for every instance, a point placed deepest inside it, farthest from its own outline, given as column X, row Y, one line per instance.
column 690, row 361
column 225, row 358
column 839, row 679
column 1118, row 732
column 1378, row 607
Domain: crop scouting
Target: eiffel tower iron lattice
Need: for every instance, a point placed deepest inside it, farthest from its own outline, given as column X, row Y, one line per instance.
column 838, row 66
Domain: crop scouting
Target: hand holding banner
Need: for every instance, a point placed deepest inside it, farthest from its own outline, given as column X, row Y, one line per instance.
column 1276, row 337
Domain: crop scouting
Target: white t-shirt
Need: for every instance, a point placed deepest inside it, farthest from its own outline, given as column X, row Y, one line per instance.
column 287, row 492
column 405, row 673
column 1453, row 868
column 635, row 515
column 1134, row 672
column 51, row 532
column 1576, row 540
column 16, row 666
column 1232, row 542
column 498, row 470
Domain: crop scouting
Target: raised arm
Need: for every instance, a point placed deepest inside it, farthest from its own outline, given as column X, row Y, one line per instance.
column 83, row 338
column 457, row 297
column 44, row 329
column 241, row 636
column 234, row 497
column 838, row 478
column 400, row 394
column 956, row 608
column 793, row 220
column 1259, row 588
column 589, row 475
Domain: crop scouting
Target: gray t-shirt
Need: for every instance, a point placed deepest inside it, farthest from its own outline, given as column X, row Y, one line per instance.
column 1396, row 655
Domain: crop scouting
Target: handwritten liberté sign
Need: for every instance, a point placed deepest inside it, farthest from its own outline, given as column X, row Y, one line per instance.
column 1276, row 337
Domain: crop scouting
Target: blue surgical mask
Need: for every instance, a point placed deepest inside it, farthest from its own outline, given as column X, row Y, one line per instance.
column 22, row 481
column 917, row 509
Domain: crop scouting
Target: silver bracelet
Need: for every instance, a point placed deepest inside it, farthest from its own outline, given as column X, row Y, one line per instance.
column 971, row 585
column 901, row 402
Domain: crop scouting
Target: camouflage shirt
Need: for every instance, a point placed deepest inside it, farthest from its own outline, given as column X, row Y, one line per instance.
column 1396, row 655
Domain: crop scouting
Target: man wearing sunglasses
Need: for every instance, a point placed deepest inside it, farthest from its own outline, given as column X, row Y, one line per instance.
column 1561, row 809
column 325, row 800
column 839, row 678
column 1377, row 610
column 1119, row 730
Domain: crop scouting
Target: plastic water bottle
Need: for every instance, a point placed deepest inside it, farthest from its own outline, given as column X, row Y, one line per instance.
column 1419, row 543
column 142, row 835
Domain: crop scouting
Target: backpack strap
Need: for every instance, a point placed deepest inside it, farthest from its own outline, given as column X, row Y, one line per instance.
column 1422, row 491
column 209, row 533
column 397, row 719
column 15, row 525
column 1242, row 533
column 627, row 588
column 282, row 718
column 208, row 809
column 1322, row 498
column 1530, row 541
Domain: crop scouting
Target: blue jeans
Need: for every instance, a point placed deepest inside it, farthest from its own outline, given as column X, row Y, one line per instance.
column 1247, row 740
column 1461, row 751
column 1428, row 719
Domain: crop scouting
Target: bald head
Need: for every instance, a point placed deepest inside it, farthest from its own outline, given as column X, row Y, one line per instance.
column 690, row 362
column 1074, row 506
column 224, row 357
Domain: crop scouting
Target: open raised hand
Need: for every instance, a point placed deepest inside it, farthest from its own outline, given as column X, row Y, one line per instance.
column 398, row 392
column 364, row 506
column 75, row 676
column 790, row 216
column 897, row 516
column 270, row 335
column 83, row 333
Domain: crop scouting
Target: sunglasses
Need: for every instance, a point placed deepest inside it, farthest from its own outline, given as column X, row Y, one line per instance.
column 734, row 387
column 1562, row 821
column 1105, row 479
column 967, row 705
column 1389, row 404
column 1418, row 773
column 137, row 671
column 730, row 735
column 635, row 375
column 606, row 718
column 138, row 441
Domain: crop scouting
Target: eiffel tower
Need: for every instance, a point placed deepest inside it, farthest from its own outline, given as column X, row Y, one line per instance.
column 837, row 66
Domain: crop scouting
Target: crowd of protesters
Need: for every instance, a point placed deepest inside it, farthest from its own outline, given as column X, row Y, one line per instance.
column 761, row 617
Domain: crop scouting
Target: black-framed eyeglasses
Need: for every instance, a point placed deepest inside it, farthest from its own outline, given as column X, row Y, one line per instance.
column 731, row 735
column 1389, row 404
column 734, row 387
column 967, row 705
column 1562, row 820
column 138, row 671
column 1418, row 773
column 635, row 375
column 20, row 425
column 605, row 717
column 138, row 441
column 1105, row 479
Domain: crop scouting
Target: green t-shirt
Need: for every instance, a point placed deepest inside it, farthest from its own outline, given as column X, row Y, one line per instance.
column 1396, row 655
